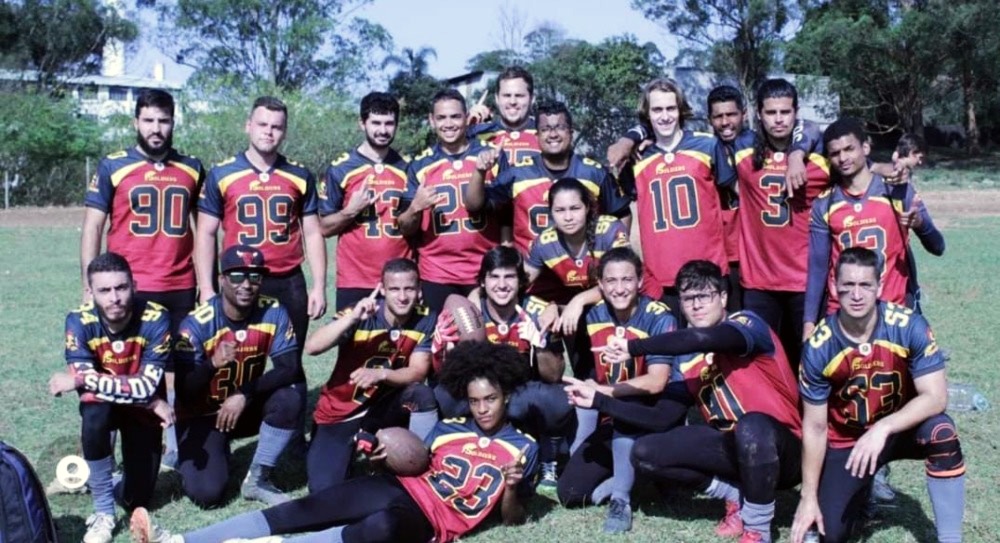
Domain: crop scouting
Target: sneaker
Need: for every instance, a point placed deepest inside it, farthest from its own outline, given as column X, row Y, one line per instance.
column 143, row 529
column 731, row 525
column 753, row 536
column 549, row 479
column 882, row 491
column 100, row 528
column 257, row 486
column 619, row 517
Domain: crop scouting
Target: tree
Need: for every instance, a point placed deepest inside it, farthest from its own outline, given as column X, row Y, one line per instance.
column 740, row 38
column 292, row 44
column 59, row 37
column 413, row 63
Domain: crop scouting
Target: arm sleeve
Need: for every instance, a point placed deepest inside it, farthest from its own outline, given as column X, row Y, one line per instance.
column 283, row 372
column 722, row 165
column 807, row 137
column 819, row 263
column 720, row 338
column 637, row 133
column 100, row 191
column 654, row 418
column 613, row 200
column 194, row 369
column 928, row 234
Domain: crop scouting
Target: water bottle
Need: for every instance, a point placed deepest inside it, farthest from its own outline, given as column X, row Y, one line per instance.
column 963, row 397
column 812, row 536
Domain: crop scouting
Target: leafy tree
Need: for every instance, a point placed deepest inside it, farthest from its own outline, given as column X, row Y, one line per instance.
column 59, row 37
column 411, row 62
column 741, row 38
column 292, row 44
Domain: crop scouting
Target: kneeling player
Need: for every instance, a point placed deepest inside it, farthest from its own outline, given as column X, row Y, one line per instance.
column 475, row 466
column 377, row 380
column 116, row 349
column 736, row 370
column 874, row 390
column 223, row 390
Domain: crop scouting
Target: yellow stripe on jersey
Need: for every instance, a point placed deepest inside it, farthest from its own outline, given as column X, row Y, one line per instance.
column 264, row 327
column 835, row 362
column 228, row 180
column 820, row 162
column 553, row 262
column 693, row 362
column 422, row 174
column 697, row 155
column 299, row 182
column 210, row 342
column 416, row 336
column 642, row 164
column 347, row 176
column 525, row 184
column 896, row 349
column 193, row 173
column 597, row 327
column 366, row 335
column 743, row 153
column 514, row 451
column 452, row 436
column 123, row 172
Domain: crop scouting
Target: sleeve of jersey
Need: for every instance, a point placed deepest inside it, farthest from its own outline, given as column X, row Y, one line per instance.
column 536, row 254
column 637, row 133
column 807, row 137
column 310, row 202
column 722, row 165
column 664, row 323
column 210, row 201
column 755, row 331
column 333, row 200
column 814, row 388
column 613, row 200
column 618, row 235
column 534, row 307
column 819, row 260
column 425, row 326
column 100, row 192
column 626, row 183
column 412, row 184
column 78, row 355
column 139, row 388
column 193, row 369
column 925, row 356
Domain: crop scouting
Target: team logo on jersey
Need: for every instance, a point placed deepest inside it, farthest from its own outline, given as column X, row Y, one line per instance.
column 484, row 442
column 865, row 349
column 668, row 158
column 71, row 343
column 158, row 166
column 394, row 335
column 289, row 334
column 241, row 335
column 164, row 346
column 379, row 168
column 515, row 135
column 778, row 157
column 858, row 207
column 502, row 328
column 457, row 165
column 264, row 177
column 118, row 347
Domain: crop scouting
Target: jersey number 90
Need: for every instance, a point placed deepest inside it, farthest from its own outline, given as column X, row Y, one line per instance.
column 158, row 209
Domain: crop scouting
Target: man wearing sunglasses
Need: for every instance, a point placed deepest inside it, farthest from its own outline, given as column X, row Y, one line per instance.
column 223, row 391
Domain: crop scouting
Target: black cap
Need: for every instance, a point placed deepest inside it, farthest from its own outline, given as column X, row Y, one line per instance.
column 242, row 257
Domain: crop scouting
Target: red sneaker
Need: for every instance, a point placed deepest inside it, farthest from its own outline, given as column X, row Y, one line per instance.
column 731, row 525
column 752, row 536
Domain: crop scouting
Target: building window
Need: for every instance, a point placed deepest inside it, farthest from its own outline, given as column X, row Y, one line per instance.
column 87, row 92
column 118, row 94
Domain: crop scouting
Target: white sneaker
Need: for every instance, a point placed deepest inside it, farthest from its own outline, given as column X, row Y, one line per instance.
column 100, row 528
column 145, row 531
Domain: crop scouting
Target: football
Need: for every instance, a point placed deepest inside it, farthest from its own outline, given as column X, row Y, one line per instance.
column 405, row 452
column 467, row 318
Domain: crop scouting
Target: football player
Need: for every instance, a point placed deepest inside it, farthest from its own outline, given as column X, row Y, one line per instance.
column 513, row 132
column 117, row 347
column 874, row 390
column 223, row 389
column 477, row 466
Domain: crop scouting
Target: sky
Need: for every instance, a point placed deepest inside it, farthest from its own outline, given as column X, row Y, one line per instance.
column 418, row 24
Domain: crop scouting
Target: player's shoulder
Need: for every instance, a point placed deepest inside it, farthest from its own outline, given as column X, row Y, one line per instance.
column 117, row 156
column 227, row 166
column 428, row 153
column 341, row 160
column 153, row 314
column 483, row 131
column 84, row 314
column 583, row 165
column 548, row 237
column 294, row 167
column 423, row 317
column 700, row 140
column 650, row 306
column 189, row 160
column 598, row 313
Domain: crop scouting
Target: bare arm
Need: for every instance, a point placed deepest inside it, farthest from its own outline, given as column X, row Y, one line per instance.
column 90, row 241
column 316, row 255
column 814, row 419
column 204, row 254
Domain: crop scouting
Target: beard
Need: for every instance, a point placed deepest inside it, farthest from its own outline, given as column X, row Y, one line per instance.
column 149, row 150
column 376, row 145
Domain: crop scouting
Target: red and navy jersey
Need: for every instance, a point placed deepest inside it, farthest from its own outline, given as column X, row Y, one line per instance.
column 465, row 480
column 649, row 319
column 841, row 220
column 452, row 241
column 728, row 386
column 124, row 367
column 506, row 333
column 261, row 209
column 374, row 238
column 526, row 186
column 863, row 383
column 561, row 275
column 267, row 331
column 372, row 343
column 679, row 212
column 150, row 205
column 774, row 229
column 519, row 145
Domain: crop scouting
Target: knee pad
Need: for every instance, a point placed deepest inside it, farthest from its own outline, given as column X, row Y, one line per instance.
column 283, row 408
column 939, row 439
column 417, row 398
column 755, row 440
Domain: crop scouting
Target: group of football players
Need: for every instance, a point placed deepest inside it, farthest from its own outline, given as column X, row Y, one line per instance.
column 764, row 254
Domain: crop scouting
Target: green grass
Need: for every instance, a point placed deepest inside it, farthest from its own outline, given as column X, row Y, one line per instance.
column 39, row 281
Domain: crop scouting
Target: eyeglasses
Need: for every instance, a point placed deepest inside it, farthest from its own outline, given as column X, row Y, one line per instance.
column 702, row 297
column 553, row 128
column 237, row 278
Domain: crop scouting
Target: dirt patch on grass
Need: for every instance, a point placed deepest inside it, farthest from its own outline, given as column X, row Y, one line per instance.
column 43, row 217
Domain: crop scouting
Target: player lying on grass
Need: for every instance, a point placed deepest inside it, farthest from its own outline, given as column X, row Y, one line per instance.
column 475, row 466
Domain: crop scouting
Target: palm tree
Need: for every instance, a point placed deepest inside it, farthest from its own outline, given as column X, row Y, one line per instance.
column 413, row 63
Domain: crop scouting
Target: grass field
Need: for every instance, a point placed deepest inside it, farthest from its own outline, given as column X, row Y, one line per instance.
column 39, row 284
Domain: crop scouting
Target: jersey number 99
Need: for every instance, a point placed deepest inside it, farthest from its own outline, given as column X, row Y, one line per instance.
column 264, row 220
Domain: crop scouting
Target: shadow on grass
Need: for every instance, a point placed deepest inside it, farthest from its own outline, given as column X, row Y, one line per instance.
column 906, row 513
column 70, row 527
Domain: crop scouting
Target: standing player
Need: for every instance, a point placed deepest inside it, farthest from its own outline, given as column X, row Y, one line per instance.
column 774, row 225
column 149, row 193
column 477, row 466
column 606, row 452
column 452, row 237
column 359, row 202
column 116, row 349
column 514, row 132
column 675, row 184
column 862, row 210
column 874, row 390
column 223, row 390
column 377, row 381
column 736, row 371
column 263, row 200
column 526, row 186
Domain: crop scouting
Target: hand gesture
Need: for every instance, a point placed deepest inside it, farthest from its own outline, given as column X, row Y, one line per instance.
column 366, row 307
column 806, row 515
column 528, row 332
column 360, row 200
column 487, row 158
column 795, row 177
column 513, row 472
column 426, row 197
column 224, row 353
column 579, row 393
column 863, row 460
column 365, row 378
column 230, row 412
column 163, row 410
column 570, row 317
column 61, row 382
column 317, row 302
column 479, row 113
